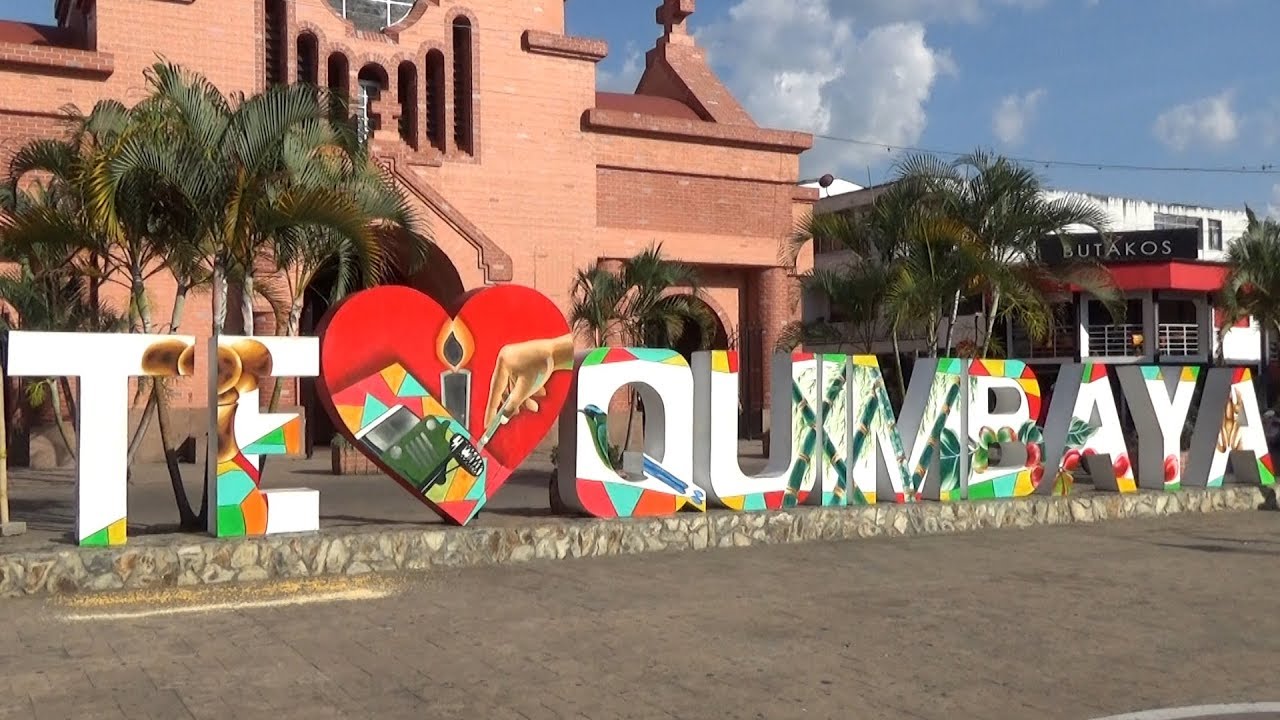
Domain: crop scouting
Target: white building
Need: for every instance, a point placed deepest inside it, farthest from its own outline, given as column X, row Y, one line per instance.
column 1167, row 260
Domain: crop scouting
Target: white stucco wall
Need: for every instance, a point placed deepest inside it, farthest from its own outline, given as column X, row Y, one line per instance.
column 1131, row 214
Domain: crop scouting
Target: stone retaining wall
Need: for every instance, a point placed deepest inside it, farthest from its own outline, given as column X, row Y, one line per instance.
column 185, row 560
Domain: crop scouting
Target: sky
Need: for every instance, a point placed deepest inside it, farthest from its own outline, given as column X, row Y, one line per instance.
column 1168, row 83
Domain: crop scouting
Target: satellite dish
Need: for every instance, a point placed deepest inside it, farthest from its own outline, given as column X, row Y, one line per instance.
column 827, row 180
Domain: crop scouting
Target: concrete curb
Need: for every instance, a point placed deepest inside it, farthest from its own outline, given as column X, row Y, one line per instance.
column 187, row 560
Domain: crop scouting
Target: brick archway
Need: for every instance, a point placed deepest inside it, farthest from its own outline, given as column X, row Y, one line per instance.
column 725, row 325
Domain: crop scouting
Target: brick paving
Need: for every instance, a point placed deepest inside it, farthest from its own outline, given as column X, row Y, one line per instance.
column 1070, row 622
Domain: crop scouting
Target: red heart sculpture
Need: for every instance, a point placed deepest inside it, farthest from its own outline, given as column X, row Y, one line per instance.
column 408, row 383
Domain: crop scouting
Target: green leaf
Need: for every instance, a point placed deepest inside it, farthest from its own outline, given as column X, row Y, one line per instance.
column 949, row 443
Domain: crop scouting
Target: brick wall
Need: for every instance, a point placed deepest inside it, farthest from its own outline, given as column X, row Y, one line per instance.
column 546, row 190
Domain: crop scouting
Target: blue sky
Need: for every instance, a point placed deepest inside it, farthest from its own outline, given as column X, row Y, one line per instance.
column 1187, row 83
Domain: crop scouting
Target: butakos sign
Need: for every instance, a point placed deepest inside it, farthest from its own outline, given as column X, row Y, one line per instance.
column 449, row 404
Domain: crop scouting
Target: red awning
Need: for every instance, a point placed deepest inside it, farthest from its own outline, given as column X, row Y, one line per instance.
column 1184, row 275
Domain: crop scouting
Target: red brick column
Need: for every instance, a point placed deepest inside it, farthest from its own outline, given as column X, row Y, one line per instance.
column 776, row 292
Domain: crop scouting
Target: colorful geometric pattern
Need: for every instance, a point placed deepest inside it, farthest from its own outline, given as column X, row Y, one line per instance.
column 113, row 534
column 242, row 505
column 988, row 428
column 801, row 475
column 653, row 489
column 410, row 434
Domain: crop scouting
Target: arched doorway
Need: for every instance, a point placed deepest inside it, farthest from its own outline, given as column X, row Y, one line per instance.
column 436, row 276
column 705, row 332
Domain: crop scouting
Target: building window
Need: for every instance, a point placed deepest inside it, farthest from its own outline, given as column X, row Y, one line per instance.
column 435, row 99
column 339, row 83
column 308, row 59
column 463, row 77
column 274, row 20
column 372, row 81
column 407, row 87
column 373, row 14
column 1165, row 221
column 1215, row 234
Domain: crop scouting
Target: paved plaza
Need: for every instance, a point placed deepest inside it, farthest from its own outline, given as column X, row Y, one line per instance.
column 1073, row 622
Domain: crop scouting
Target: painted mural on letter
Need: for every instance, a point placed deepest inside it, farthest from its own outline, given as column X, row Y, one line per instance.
column 446, row 403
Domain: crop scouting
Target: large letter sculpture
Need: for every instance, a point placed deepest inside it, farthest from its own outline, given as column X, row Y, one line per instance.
column 1228, row 435
column 791, row 468
column 446, row 403
column 937, row 460
column 242, row 435
column 877, row 461
column 1086, row 437
column 1004, row 437
column 658, row 480
column 1158, row 416
column 104, row 363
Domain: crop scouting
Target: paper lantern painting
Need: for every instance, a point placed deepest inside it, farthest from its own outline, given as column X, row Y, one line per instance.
column 448, row 404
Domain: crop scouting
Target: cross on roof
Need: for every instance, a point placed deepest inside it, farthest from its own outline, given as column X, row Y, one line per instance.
column 671, row 16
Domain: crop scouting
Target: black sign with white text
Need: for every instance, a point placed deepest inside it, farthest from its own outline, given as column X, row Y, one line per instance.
column 1126, row 246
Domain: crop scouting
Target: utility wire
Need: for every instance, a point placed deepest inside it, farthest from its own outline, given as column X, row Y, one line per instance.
column 1264, row 169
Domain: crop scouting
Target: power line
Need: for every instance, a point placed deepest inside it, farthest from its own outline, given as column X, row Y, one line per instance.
column 1264, row 169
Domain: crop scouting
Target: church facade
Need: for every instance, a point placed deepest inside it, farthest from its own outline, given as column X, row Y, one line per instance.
column 489, row 116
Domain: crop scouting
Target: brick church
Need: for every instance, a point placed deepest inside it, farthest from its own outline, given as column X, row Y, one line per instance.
column 489, row 116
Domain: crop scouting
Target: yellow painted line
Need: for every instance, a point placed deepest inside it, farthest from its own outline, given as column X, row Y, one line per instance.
column 122, row 605
column 339, row 596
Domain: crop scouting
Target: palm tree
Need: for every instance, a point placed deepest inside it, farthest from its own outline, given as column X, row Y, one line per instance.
column 907, row 259
column 1004, row 214
column 640, row 306
column 256, row 173
column 1252, row 285
column 856, row 288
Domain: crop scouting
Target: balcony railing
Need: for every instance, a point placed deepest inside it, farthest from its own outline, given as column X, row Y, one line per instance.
column 1179, row 339
column 1115, row 340
column 1060, row 344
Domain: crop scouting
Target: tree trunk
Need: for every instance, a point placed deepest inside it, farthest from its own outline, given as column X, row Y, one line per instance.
column 148, row 412
column 290, row 330
column 991, row 322
column 220, row 290
column 4, row 455
column 951, row 325
column 72, row 407
column 246, row 304
column 56, row 400
column 897, row 359
column 186, row 517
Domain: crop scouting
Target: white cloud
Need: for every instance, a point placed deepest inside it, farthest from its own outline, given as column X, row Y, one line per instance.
column 875, row 12
column 1014, row 113
column 626, row 77
column 807, row 65
column 1207, row 121
column 1273, row 208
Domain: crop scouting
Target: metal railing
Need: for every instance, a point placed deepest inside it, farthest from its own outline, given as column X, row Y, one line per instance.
column 1116, row 340
column 1060, row 344
column 1179, row 339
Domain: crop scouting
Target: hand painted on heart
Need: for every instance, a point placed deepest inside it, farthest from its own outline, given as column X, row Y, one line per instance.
column 447, row 405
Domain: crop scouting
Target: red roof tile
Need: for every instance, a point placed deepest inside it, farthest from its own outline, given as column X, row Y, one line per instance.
column 29, row 34
column 645, row 105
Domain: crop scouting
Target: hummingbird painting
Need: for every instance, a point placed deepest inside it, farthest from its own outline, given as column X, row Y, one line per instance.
column 598, row 423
